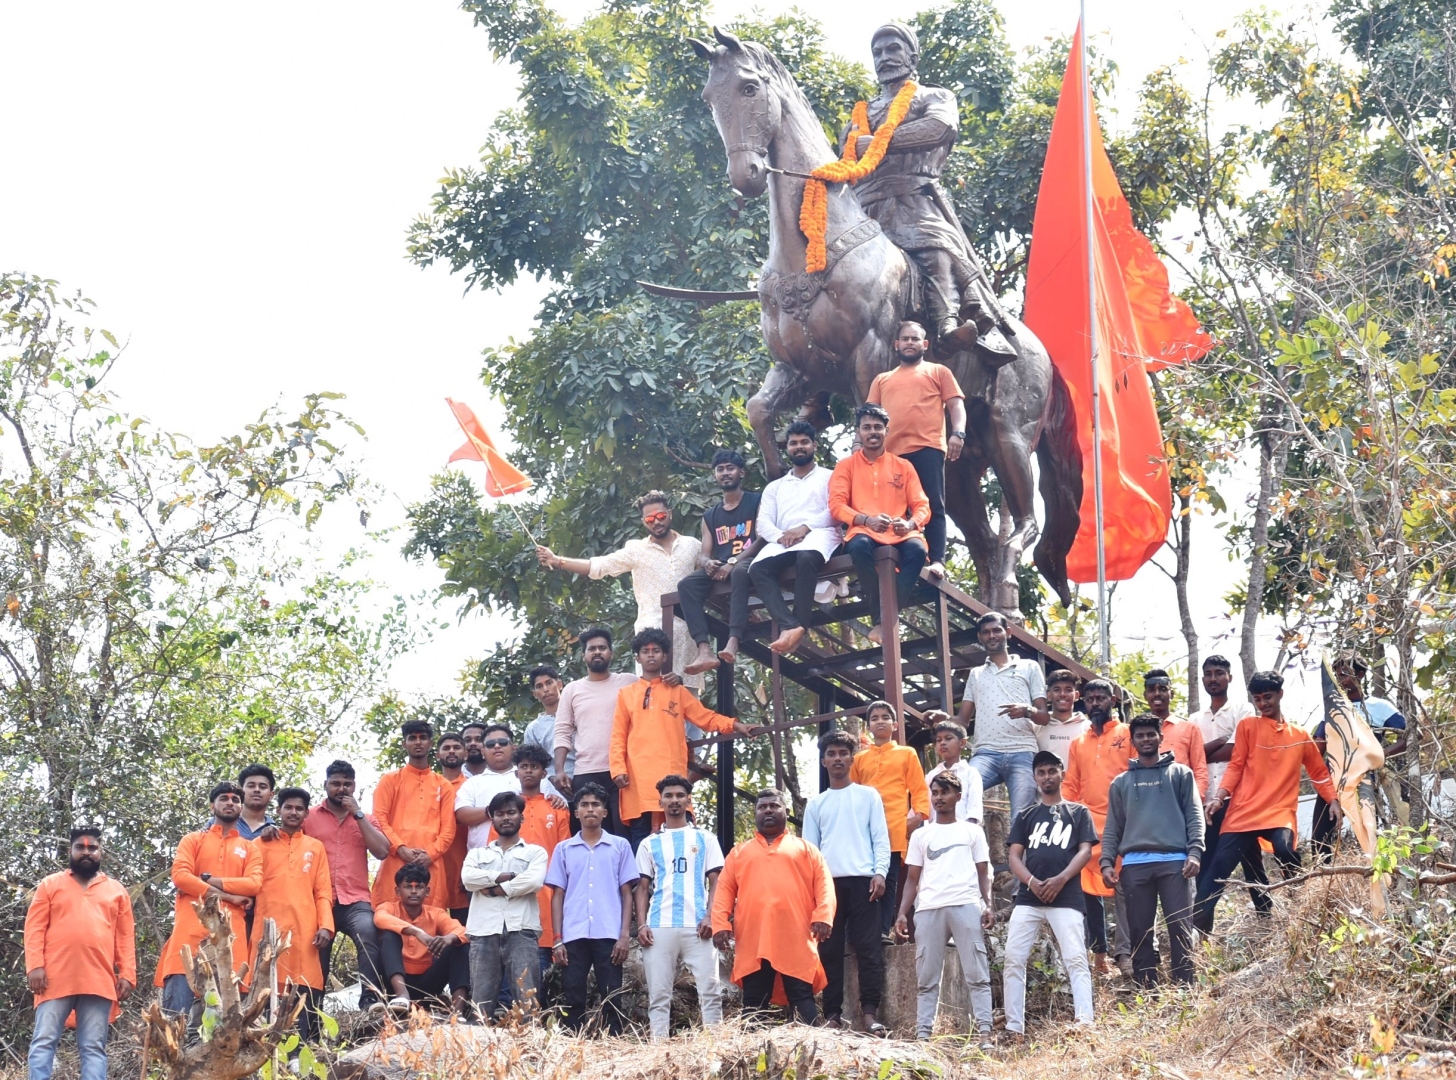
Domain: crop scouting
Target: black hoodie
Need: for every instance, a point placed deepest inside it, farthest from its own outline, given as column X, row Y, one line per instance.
column 1153, row 808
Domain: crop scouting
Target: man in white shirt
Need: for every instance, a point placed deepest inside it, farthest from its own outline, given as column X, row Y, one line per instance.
column 1006, row 698
column 584, row 722
column 794, row 520
column 1218, row 723
column 474, row 796
column 680, row 864
column 1066, row 723
column 657, row 562
column 950, row 745
column 504, row 925
column 847, row 824
column 948, row 883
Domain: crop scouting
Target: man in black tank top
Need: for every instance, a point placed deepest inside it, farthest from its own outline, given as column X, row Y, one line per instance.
column 730, row 540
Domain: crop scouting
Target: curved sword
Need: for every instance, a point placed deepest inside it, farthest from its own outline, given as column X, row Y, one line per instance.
column 702, row 296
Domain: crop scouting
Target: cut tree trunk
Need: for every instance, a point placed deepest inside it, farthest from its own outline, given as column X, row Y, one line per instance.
column 242, row 1039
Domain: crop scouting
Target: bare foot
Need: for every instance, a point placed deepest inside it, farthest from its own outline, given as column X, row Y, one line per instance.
column 936, row 570
column 876, row 635
column 729, row 653
column 704, row 661
column 788, row 641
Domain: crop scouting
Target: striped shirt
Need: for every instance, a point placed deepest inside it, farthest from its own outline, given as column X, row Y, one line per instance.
column 677, row 863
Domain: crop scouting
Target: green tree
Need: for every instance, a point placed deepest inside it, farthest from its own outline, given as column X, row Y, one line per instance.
column 156, row 634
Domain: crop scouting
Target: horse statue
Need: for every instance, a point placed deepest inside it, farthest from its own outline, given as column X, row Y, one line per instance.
column 832, row 332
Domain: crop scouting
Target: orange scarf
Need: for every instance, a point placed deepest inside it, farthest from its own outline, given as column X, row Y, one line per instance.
column 814, row 213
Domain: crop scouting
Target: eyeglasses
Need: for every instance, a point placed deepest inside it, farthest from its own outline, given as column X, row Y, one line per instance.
column 657, row 518
column 494, row 744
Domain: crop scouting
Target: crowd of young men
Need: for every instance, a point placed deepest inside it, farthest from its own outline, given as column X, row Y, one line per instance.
column 510, row 858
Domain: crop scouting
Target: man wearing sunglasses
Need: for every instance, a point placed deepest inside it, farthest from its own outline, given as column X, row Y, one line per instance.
column 472, row 801
column 657, row 562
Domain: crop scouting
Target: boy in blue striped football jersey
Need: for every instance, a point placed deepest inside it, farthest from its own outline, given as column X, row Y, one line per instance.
column 679, row 867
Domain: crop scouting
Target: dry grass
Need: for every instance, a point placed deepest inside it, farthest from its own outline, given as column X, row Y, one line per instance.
column 1319, row 991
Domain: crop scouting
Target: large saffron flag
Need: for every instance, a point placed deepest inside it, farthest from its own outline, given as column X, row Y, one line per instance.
column 1141, row 327
column 501, row 477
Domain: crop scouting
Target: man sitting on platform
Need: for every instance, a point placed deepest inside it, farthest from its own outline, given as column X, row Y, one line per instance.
column 878, row 497
column 730, row 540
column 799, row 531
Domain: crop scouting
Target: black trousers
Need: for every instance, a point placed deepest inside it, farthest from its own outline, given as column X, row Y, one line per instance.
column 856, row 924
column 583, row 956
column 450, row 969
column 912, row 560
column 1253, row 868
column 308, row 1021
column 758, row 989
column 1145, row 886
column 765, row 574
column 1096, row 916
column 1324, row 836
column 692, row 593
column 1239, row 847
column 889, row 903
column 613, row 824
column 930, row 467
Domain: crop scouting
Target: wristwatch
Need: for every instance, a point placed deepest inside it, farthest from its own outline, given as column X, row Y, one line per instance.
column 961, row 435
column 359, row 814
column 733, row 561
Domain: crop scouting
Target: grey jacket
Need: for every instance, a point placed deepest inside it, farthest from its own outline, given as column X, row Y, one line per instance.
column 1153, row 808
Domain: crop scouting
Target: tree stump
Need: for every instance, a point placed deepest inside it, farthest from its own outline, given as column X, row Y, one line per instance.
column 242, row 1039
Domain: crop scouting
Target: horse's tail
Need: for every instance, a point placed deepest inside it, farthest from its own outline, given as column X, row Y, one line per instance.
column 1060, row 458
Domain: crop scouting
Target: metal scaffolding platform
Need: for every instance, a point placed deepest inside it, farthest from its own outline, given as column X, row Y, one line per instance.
column 919, row 669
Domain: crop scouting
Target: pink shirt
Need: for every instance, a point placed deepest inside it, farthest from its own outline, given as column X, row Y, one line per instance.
column 348, row 854
column 584, row 720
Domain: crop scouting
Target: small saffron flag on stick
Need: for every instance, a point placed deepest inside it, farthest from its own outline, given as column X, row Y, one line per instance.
column 501, row 477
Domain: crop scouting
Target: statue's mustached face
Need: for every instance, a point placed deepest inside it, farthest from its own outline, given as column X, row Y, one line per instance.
column 893, row 58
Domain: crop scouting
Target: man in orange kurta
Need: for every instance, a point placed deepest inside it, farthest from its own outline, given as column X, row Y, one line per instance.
column 1182, row 738
column 80, row 955
column 216, row 860
column 415, row 808
column 1094, row 759
column 298, row 895
column 450, row 753
column 894, row 771
column 1260, row 789
column 775, row 903
column 649, row 733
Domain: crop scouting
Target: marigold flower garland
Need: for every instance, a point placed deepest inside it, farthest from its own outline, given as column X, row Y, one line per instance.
column 814, row 211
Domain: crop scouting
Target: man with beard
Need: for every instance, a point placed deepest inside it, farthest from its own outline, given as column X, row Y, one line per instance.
column 904, row 196
column 878, row 498
column 215, row 861
column 504, row 878
column 657, row 562
column 473, row 736
column 80, row 955
column 730, row 539
column 297, row 894
column 584, row 721
column 775, row 903
column 1094, row 759
column 472, row 806
column 349, row 837
column 920, row 397
column 450, row 755
column 799, row 532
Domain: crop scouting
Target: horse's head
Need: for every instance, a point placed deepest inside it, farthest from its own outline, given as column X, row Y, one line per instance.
column 746, row 106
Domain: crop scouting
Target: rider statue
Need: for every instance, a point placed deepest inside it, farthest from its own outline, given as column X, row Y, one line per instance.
column 904, row 195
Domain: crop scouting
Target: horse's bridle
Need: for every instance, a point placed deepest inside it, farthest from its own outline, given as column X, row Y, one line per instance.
column 754, row 127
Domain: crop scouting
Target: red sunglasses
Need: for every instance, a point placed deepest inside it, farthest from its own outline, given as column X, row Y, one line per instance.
column 653, row 519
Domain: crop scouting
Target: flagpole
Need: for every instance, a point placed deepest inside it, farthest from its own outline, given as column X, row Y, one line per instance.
column 1104, row 643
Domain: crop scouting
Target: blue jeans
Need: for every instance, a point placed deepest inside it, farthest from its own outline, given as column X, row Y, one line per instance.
column 93, row 1026
column 1012, row 768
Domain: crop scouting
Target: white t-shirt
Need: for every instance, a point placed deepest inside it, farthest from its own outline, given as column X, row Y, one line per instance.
column 480, row 789
column 1057, row 736
column 1020, row 682
column 947, row 856
column 1221, row 725
column 970, row 807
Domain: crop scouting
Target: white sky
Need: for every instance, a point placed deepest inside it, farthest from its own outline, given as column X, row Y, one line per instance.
column 233, row 184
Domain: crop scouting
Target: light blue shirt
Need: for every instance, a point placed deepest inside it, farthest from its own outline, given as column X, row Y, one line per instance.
column 1137, row 858
column 848, row 826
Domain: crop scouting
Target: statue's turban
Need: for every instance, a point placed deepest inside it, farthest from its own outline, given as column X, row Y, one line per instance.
column 901, row 31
